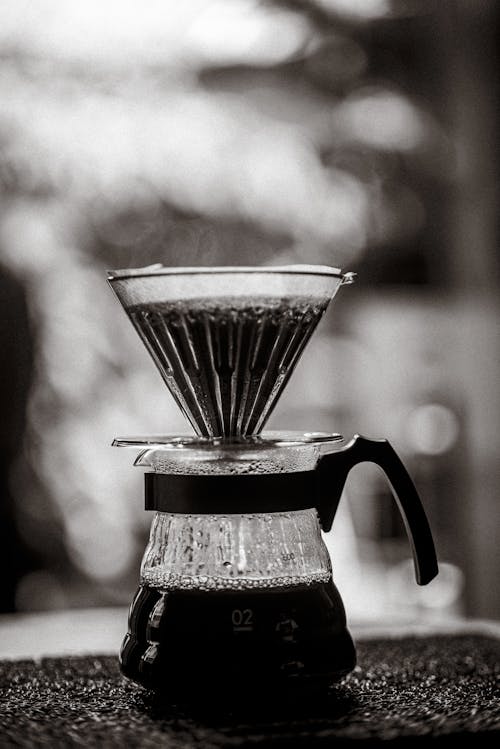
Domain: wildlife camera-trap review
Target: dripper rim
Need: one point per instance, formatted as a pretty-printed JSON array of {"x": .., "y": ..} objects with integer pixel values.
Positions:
[{"x": 161, "y": 270}]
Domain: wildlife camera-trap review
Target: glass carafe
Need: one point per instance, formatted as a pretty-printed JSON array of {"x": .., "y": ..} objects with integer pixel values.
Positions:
[{"x": 236, "y": 588}]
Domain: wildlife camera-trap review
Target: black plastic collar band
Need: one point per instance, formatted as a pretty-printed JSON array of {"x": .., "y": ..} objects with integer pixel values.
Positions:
[{"x": 230, "y": 495}]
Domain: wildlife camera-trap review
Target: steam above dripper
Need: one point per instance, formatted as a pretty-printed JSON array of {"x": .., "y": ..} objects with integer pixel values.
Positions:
[{"x": 227, "y": 339}]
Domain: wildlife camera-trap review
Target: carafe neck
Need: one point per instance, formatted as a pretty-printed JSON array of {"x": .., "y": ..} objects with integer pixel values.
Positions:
[{"x": 235, "y": 552}]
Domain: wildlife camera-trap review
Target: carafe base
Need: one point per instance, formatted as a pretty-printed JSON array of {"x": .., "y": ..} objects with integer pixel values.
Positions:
[{"x": 240, "y": 644}]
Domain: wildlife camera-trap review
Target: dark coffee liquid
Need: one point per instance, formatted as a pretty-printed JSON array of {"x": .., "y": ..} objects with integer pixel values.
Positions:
[
  {"x": 237, "y": 645},
  {"x": 225, "y": 360}
]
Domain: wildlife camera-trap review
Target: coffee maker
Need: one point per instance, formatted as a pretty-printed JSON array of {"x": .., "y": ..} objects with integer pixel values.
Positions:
[{"x": 236, "y": 592}]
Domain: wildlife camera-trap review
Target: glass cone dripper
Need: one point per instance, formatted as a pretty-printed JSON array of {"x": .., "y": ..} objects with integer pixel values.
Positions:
[{"x": 226, "y": 340}]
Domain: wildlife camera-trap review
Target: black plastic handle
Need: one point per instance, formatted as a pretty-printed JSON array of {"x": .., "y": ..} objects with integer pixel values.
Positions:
[{"x": 333, "y": 469}]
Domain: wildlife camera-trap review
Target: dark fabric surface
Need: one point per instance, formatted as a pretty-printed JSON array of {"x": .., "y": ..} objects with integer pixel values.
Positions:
[{"x": 403, "y": 692}]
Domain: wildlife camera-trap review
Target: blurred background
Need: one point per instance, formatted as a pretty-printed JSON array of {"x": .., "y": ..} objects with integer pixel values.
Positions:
[{"x": 361, "y": 134}]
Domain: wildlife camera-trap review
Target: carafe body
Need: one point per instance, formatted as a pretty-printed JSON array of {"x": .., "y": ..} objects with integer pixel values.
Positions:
[
  {"x": 236, "y": 602},
  {"x": 243, "y": 602}
]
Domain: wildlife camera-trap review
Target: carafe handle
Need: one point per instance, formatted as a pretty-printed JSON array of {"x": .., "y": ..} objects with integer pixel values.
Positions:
[{"x": 333, "y": 469}]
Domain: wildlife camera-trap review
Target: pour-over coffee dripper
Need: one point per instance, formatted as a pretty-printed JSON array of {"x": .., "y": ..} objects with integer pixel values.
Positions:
[
  {"x": 226, "y": 340},
  {"x": 236, "y": 586}
]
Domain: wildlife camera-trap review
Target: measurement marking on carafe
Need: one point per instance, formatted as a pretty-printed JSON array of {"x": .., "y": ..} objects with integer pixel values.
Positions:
[{"x": 242, "y": 620}]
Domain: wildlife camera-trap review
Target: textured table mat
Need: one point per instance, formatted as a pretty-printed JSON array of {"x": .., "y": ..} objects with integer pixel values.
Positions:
[{"x": 403, "y": 691}]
